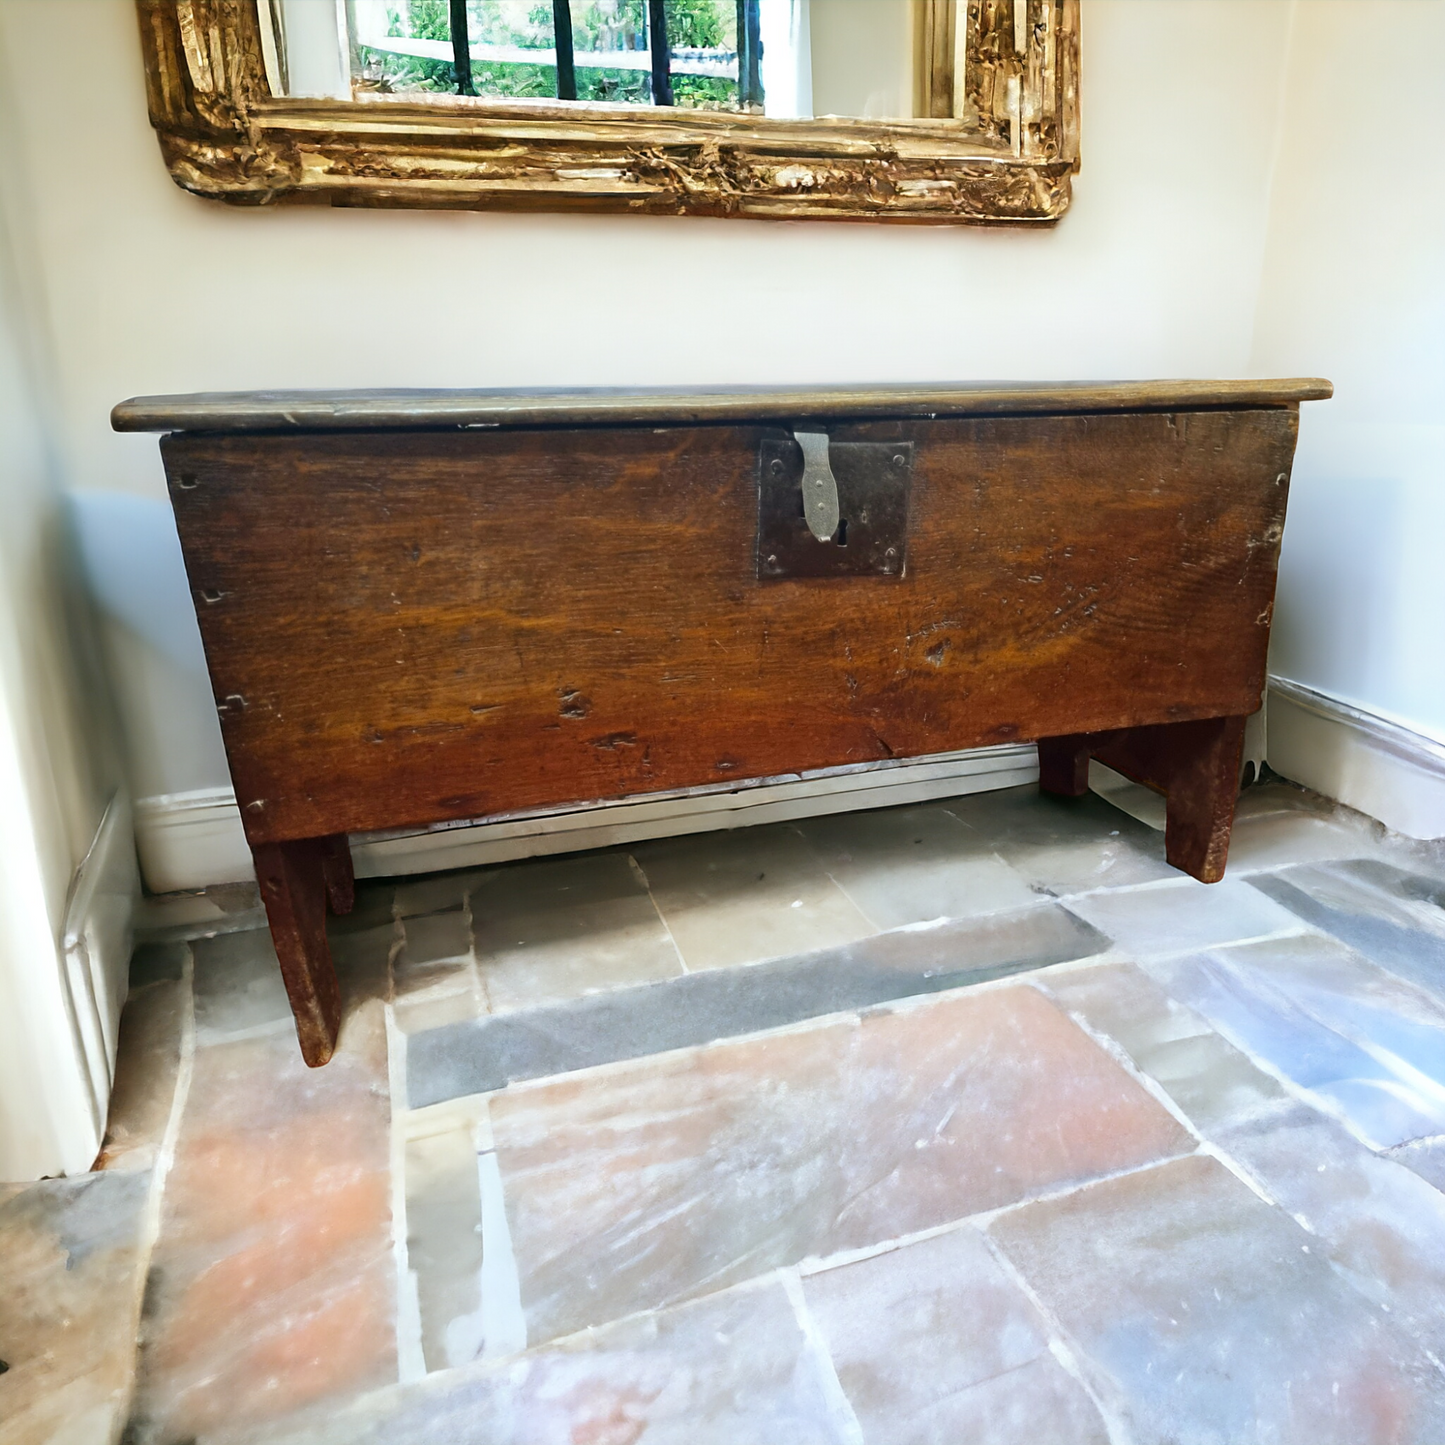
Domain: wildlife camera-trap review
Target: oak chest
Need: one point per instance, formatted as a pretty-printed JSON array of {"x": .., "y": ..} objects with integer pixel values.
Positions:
[{"x": 420, "y": 607}]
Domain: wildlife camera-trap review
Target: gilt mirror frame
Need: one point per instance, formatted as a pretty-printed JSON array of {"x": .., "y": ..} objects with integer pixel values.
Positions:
[{"x": 1006, "y": 159}]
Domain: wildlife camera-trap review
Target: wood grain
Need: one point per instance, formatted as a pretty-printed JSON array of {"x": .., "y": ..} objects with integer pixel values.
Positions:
[
  {"x": 438, "y": 409},
  {"x": 404, "y": 629}
]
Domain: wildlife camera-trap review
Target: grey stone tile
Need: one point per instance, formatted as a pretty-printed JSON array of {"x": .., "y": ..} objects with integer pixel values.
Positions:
[
  {"x": 733, "y": 1369},
  {"x": 913, "y": 865},
  {"x": 476, "y": 1057},
  {"x": 1179, "y": 917},
  {"x": 1204, "y": 1314},
  {"x": 1391, "y": 916},
  {"x": 1064, "y": 845},
  {"x": 1425, "y": 1157},
  {"x": 157, "y": 962},
  {"x": 237, "y": 983},
  {"x": 748, "y": 895},
  {"x": 1380, "y": 1224},
  {"x": 663, "y": 1179},
  {"x": 72, "y": 1263},
  {"x": 444, "y": 1236},
  {"x": 557, "y": 929},
  {"x": 934, "y": 1342},
  {"x": 146, "y": 1069},
  {"x": 1255, "y": 995}
]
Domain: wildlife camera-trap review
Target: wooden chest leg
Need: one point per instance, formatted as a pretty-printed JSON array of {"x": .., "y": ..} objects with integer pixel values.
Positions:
[
  {"x": 1064, "y": 764},
  {"x": 297, "y": 880},
  {"x": 1194, "y": 764}
]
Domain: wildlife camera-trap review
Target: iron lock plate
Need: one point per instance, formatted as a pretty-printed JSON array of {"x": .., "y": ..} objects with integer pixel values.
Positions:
[{"x": 872, "y": 483}]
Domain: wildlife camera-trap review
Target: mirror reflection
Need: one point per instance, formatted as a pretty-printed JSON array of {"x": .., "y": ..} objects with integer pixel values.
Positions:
[{"x": 778, "y": 58}]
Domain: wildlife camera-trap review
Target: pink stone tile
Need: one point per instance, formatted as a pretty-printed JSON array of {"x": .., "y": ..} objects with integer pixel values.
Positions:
[
  {"x": 71, "y": 1266},
  {"x": 732, "y": 1369},
  {"x": 272, "y": 1283},
  {"x": 934, "y": 1342},
  {"x": 1201, "y": 1313},
  {"x": 658, "y": 1180},
  {"x": 147, "y": 1062}
]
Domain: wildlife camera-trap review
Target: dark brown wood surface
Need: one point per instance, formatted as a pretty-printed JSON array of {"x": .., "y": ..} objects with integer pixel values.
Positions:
[
  {"x": 435, "y": 409},
  {"x": 404, "y": 629}
]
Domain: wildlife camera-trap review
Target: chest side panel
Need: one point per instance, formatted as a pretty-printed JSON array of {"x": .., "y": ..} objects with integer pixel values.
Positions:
[{"x": 407, "y": 627}]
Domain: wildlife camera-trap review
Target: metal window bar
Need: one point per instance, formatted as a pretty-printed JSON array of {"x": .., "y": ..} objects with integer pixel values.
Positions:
[
  {"x": 461, "y": 47},
  {"x": 750, "y": 55},
  {"x": 566, "y": 58},
  {"x": 661, "y": 52}
]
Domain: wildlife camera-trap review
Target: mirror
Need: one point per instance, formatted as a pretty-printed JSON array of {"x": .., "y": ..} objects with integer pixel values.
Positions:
[
  {"x": 919, "y": 110},
  {"x": 784, "y": 59}
]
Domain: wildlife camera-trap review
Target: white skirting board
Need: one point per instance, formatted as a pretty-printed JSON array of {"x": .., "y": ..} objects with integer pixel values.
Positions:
[
  {"x": 96, "y": 948},
  {"x": 1366, "y": 761},
  {"x": 192, "y": 840}
]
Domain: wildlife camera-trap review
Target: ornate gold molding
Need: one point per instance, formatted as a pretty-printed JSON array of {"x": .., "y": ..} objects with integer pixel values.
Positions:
[{"x": 1008, "y": 160}]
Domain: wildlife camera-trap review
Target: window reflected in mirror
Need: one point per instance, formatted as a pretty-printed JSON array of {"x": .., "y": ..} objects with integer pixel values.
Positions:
[{"x": 789, "y": 59}]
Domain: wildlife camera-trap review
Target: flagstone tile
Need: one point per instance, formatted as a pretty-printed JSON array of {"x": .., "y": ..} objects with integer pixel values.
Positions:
[
  {"x": 913, "y": 865},
  {"x": 1260, "y": 799},
  {"x": 1204, "y": 1314},
  {"x": 934, "y": 1342},
  {"x": 1357, "y": 999},
  {"x": 434, "y": 948},
  {"x": 434, "y": 892},
  {"x": 272, "y": 1284},
  {"x": 1395, "y": 918},
  {"x": 1180, "y": 917},
  {"x": 655, "y": 1181},
  {"x": 745, "y": 896},
  {"x": 72, "y": 1262},
  {"x": 1248, "y": 998},
  {"x": 1381, "y": 1225},
  {"x": 556, "y": 929},
  {"x": 148, "y": 1059},
  {"x": 1274, "y": 840},
  {"x": 444, "y": 1235},
  {"x": 237, "y": 984},
  {"x": 157, "y": 963},
  {"x": 423, "y": 1011},
  {"x": 1425, "y": 1157},
  {"x": 1210, "y": 1081},
  {"x": 455, "y": 1058},
  {"x": 733, "y": 1369},
  {"x": 1064, "y": 845}
]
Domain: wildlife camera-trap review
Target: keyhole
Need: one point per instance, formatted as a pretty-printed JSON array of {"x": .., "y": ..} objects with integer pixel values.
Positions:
[{"x": 843, "y": 532}]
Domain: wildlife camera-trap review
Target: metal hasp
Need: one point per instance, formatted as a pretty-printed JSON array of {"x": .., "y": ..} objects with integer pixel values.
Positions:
[
  {"x": 832, "y": 509},
  {"x": 820, "y": 487}
]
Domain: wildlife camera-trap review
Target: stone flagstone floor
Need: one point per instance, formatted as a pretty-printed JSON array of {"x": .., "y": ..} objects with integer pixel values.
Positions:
[{"x": 964, "y": 1122}]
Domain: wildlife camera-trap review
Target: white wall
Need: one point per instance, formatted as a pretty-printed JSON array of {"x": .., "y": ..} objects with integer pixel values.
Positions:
[
  {"x": 1153, "y": 273},
  {"x": 56, "y": 769},
  {"x": 1354, "y": 289}
]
